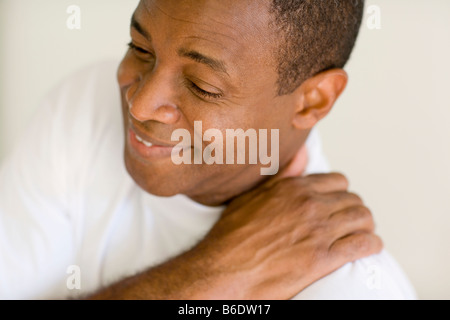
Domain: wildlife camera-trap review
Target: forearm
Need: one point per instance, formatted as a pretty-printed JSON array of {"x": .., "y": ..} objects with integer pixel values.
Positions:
[
  {"x": 190, "y": 276},
  {"x": 267, "y": 245}
]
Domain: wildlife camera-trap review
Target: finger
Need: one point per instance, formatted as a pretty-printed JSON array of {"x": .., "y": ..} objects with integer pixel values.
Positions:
[
  {"x": 338, "y": 201},
  {"x": 326, "y": 183},
  {"x": 353, "y": 247},
  {"x": 317, "y": 183},
  {"x": 351, "y": 220}
]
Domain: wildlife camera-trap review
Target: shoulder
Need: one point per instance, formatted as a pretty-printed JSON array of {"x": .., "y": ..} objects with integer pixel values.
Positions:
[
  {"x": 377, "y": 277},
  {"x": 93, "y": 84},
  {"x": 86, "y": 112}
]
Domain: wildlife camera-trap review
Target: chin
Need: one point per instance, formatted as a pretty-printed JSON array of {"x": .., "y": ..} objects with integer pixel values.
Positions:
[
  {"x": 152, "y": 181},
  {"x": 157, "y": 190}
]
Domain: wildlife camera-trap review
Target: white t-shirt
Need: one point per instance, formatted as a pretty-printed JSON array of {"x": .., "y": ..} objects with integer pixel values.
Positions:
[{"x": 71, "y": 216}]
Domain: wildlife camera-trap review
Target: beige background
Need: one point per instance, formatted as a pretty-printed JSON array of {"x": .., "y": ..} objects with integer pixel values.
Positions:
[{"x": 389, "y": 133}]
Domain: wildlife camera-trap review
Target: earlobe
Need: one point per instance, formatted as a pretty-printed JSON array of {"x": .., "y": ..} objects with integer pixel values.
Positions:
[{"x": 316, "y": 97}]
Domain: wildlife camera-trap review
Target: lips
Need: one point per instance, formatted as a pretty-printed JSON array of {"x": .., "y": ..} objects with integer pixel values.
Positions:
[
  {"x": 146, "y": 143},
  {"x": 148, "y": 151},
  {"x": 149, "y": 141}
]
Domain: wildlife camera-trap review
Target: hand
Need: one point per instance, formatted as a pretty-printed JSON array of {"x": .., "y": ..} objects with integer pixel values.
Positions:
[
  {"x": 276, "y": 240},
  {"x": 270, "y": 243}
]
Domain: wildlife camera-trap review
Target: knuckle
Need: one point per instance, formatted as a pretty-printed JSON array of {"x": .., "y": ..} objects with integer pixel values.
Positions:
[
  {"x": 341, "y": 178},
  {"x": 309, "y": 204},
  {"x": 378, "y": 244},
  {"x": 283, "y": 185},
  {"x": 319, "y": 254},
  {"x": 365, "y": 211},
  {"x": 360, "y": 213},
  {"x": 361, "y": 243},
  {"x": 355, "y": 197},
  {"x": 365, "y": 216},
  {"x": 319, "y": 230}
]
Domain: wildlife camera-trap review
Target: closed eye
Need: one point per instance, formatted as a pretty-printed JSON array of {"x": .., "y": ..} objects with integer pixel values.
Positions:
[
  {"x": 203, "y": 93},
  {"x": 138, "y": 50}
]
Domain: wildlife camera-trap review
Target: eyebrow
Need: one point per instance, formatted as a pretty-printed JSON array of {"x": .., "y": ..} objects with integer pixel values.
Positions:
[
  {"x": 136, "y": 25},
  {"x": 214, "y": 64},
  {"x": 196, "y": 56}
]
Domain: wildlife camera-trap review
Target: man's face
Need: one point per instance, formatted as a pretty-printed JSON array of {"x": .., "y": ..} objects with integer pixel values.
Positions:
[{"x": 200, "y": 60}]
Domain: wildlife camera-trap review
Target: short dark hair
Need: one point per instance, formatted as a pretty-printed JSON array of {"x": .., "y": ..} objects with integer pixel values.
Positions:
[{"x": 316, "y": 35}]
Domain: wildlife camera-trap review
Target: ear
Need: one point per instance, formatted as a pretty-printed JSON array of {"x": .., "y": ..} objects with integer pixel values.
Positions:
[{"x": 316, "y": 96}]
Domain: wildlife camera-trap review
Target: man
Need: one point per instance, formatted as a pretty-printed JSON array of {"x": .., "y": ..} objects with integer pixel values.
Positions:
[{"x": 160, "y": 230}]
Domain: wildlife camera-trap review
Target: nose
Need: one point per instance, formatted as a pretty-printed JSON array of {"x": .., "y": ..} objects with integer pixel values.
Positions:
[{"x": 152, "y": 97}]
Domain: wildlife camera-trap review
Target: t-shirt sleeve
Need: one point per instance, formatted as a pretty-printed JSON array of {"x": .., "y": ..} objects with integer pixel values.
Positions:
[
  {"x": 377, "y": 277},
  {"x": 36, "y": 241}
]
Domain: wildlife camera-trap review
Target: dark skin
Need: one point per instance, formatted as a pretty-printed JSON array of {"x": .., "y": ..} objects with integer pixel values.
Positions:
[
  {"x": 249, "y": 94},
  {"x": 278, "y": 234}
]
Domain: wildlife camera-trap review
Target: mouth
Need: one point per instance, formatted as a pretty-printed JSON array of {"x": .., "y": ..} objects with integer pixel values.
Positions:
[
  {"x": 149, "y": 148},
  {"x": 146, "y": 143},
  {"x": 147, "y": 140}
]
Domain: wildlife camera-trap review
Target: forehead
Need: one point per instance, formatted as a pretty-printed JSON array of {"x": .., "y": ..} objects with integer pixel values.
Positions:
[{"x": 235, "y": 30}]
